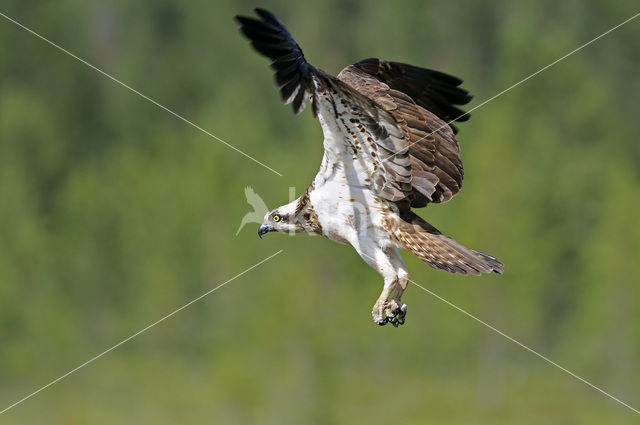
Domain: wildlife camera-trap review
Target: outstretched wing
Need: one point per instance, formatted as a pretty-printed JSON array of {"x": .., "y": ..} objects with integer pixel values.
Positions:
[
  {"x": 422, "y": 102},
  {"x": 358, "y": 133},
  {"x": 389, "y": 118}
]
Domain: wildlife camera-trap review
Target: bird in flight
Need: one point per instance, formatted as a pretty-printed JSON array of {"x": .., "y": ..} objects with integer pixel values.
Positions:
[{"x": 388, "y": 148}]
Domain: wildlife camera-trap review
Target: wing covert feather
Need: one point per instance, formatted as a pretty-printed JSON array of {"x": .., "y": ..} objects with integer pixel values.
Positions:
[{"x": 435, "y": 152}]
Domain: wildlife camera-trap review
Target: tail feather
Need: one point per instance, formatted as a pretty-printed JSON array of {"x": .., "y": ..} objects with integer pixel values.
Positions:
[{"x": 440, "y": 251}]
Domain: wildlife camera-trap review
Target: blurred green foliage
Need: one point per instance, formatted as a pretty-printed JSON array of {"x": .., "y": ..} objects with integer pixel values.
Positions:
[{"x": 114, "y": 213}]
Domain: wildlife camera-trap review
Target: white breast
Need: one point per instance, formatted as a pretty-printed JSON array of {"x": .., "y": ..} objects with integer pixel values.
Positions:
[
  {"x": 347, "y": 209},
  {"x": 344, "y": 197}
]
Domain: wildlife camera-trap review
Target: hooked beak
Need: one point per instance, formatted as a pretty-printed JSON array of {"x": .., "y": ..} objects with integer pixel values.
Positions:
[{"x": 264, "y": 228}]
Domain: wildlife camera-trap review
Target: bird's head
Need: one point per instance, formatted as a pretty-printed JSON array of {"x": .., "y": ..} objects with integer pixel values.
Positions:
[{"x": 283, "y": 219}]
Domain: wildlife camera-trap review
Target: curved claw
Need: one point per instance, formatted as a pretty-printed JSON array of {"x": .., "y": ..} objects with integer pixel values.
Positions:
[{"x": 392, "y": 314}]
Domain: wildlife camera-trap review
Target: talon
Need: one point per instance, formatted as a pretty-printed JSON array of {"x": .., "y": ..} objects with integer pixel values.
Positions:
[{"x": 390, "y": 312}]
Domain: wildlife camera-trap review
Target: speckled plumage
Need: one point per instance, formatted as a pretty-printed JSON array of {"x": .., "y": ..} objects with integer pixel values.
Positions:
[{"x": 387, "y": 149}]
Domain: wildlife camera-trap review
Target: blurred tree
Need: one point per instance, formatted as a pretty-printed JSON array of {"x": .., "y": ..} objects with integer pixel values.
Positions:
[{"x": 114, "y": 213}]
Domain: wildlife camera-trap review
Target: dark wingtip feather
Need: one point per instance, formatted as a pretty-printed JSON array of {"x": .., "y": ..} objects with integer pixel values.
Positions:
[
  {"x": 266, "y": 15},
  {"x": 271, "y": 38}
]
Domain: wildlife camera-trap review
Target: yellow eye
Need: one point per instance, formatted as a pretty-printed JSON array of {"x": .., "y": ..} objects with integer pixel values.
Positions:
[{"x": 276, "y": 218}]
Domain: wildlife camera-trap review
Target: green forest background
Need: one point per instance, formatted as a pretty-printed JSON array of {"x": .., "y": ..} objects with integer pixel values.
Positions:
[{"x": 114, "y": 213}]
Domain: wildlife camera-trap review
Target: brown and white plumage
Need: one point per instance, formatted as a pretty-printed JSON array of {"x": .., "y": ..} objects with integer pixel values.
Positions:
[{"x": 388, "y": 148}]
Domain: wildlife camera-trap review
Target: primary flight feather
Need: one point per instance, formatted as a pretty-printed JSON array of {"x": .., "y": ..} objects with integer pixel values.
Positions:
[{"x": 387, "y": 149}]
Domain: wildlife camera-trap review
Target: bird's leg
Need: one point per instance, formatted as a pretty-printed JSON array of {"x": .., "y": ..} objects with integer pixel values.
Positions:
[
  {"x": 389, "y": 264},
  {"x": 381, "y": 306},
  {"x": 396, "y": 311}
]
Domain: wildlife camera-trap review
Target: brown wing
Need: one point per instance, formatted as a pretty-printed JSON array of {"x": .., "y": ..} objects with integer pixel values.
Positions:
[
  {"x": 437, "y": 170},
  {"x": 435, "y": 91},
  {"x": 349, "y": 118}
]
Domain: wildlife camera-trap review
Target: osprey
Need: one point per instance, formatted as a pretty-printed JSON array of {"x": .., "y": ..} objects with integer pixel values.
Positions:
[{"x": 388, "y": 148}]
